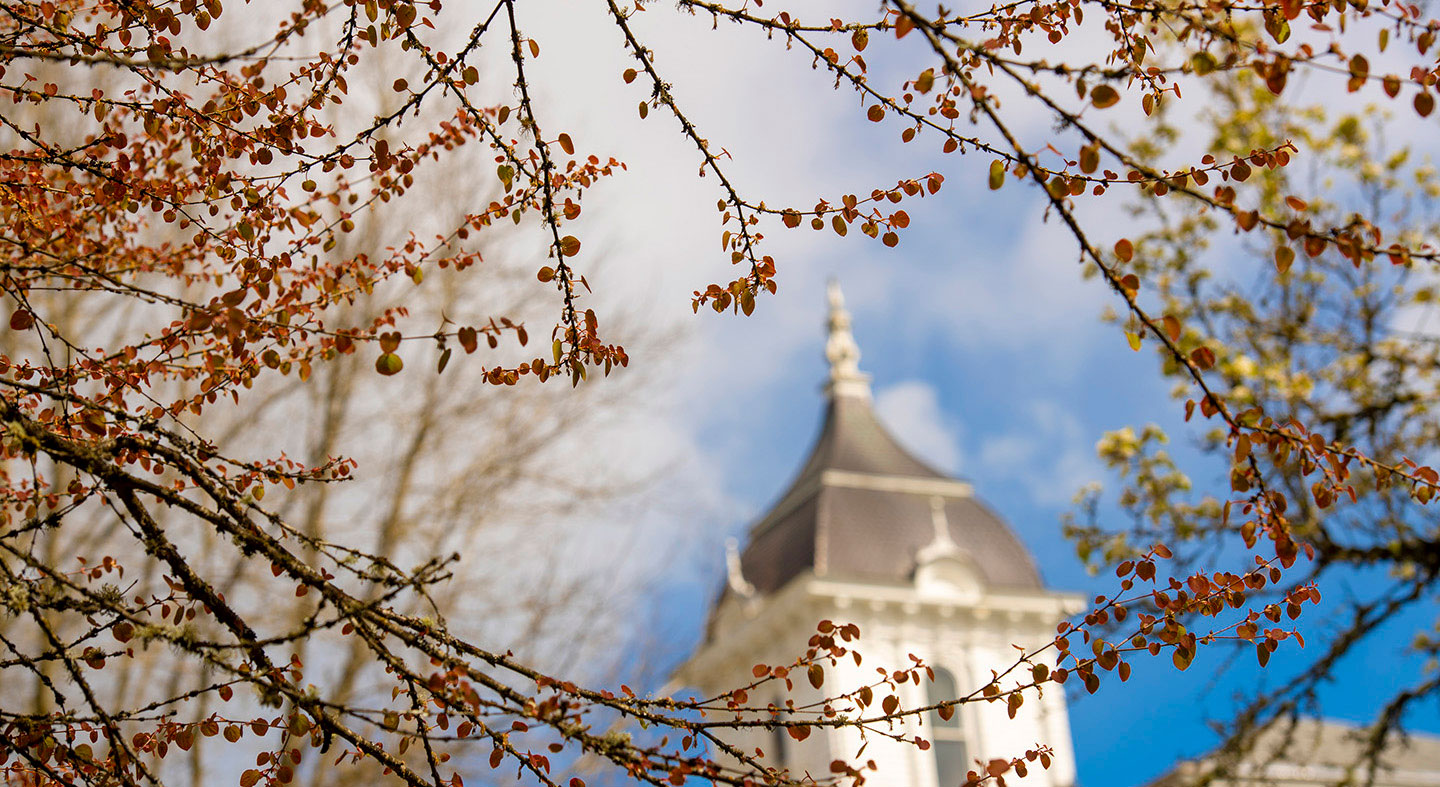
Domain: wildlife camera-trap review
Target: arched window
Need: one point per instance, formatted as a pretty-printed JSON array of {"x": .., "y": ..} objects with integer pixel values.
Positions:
[
  {"x": 776, "y": 750},
  {"x": 947, "y": 737}
]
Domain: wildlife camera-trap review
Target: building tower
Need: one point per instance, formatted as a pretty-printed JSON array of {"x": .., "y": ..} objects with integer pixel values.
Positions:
[{"x": 867, "y": 533}]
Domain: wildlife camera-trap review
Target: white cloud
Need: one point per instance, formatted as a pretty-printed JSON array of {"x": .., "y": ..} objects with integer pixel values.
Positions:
[
  {"x": 911, "y": 409},
  {"x": 1007, "y": 451},
  {"x": 1020, "y": 291},
  {"x": 1047, "y": 450}
]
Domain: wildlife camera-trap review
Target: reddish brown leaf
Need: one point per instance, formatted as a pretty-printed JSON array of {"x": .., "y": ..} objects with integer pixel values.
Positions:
[
  {"x": 1172, "y": 328},
  {"x": 1103, "y": 96},
  {"x": 1424, "y": 104}
]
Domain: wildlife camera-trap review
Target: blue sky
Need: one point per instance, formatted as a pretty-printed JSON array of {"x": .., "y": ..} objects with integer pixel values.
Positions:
[{"x": 985, "y": 344}]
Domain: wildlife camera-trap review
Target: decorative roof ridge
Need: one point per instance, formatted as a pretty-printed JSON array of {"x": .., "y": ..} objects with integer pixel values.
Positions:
[
  {"x": 922, "y": 486},
  {"x": 941, "y": 544}
]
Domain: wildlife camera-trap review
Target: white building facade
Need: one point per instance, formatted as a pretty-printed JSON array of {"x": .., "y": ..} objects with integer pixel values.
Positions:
[
  {"x": 868, "y": 534},
  {"x": 1312, "y": 752}
]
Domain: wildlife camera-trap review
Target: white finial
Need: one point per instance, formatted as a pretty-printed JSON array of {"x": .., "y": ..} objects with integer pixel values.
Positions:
[{"x": 846, "y": 379}]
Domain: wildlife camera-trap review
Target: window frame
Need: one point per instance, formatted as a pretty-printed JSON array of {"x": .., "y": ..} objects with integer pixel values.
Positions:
[
  {"x": 944, "y": 733},
  {"x": 778, "y": 737}
]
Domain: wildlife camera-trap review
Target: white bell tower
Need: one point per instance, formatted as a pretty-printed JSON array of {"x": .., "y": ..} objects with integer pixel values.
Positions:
[{"x": 868, "y": 534}]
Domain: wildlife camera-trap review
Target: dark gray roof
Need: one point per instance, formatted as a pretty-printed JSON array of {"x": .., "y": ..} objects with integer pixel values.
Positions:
[
  {"x": 852, "y": 439},
  {"x": 861, "y": 508}
]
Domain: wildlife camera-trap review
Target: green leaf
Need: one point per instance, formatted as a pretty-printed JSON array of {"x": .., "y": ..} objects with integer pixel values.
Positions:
[
  {"x": 925, "y": 81},
  {"x": 389, "y": 364}
]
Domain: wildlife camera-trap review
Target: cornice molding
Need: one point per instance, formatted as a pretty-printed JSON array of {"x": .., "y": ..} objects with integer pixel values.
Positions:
[{"x": 937, "y": 487}]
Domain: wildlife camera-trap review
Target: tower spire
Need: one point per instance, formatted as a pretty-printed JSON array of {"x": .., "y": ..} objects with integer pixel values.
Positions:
[{"x": 842, "y": 352}]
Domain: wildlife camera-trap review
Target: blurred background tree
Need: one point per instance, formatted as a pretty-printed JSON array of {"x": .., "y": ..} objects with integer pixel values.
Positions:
[
  {"x": 1350, "y": 349},
  {"x": 502, "y": 484}
]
